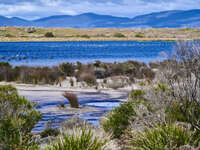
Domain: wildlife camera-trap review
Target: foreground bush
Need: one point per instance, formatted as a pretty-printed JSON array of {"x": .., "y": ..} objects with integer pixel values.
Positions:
[
  {"x": 161, "y": 137},
  {"x": 79, "y": 139},
  {"x": 118, "y": 119},
  {"x": 182, "y": 76},
  {"x": 72, "y": 98},
  {"x": 17, "y": 118}
]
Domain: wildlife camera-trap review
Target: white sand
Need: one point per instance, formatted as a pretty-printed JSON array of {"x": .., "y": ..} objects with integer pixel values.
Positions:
[{"x": 48, "y": 93}]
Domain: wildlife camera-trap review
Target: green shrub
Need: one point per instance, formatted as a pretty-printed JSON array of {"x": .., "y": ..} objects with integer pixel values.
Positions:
[
  {"x": 67, "y": 69},
  {"x": 9, "y": 35},
  {"x": 162, "y": 87},
  {"x": 136, "y": 94},
  {"x": 49, "y": 132},
  {"x": 85, "y": 36},
  {"x": 72, "y": 98},
  {"x": 119, "y": 35},
  {"x": 17, "y": 118},
  {"x": 191, "y": 114},
  {"x": 49, "y": 34},
  {"x": 139, "y": 35},
  {"x": 79, "y": 139},
  {"x": 118, "y": 119},
  {"x": 161, "y": 137}
]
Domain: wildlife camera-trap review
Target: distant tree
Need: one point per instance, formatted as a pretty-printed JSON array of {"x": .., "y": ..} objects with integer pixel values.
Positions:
[
  {"x": 49, "y": 34},
  {"x": 119, "y": 35}
]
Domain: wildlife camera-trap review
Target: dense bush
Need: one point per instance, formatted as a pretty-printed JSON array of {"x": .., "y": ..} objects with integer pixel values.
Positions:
[
  {"x": 72, "y": 98},
  {"x": 83, "y": 72},
  {"x": 119, "y": 35},
  {"x": 139, "y": 35},
  {"x": 67, "y": 69},
  {"x": 85, "y": 36},
  {"x": 49, "y": 34},
  {"x": 118, "y": 119},
  {"x": 79, "y": 139},
  {"x": 89, "y": 78},
  {"x": 136, "y": 94},
  {"x": 17, "y": 118},
  {"x": 161, "y": 137},
  {"x": 181, "y": 74}
]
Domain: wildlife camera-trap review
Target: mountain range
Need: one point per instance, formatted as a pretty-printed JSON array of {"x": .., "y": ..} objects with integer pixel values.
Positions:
[{"x": 165, "y": 19}]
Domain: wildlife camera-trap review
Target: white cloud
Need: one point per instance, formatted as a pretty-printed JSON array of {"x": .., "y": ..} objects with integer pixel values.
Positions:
[{"x": 128, "y": 8}]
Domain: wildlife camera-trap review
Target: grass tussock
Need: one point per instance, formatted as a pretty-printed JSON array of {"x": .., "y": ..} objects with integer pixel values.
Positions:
[
  {"x": 79, "y": 139},
  {"x": 72, "y": 98},
  {"x": 161, "y": 137}
]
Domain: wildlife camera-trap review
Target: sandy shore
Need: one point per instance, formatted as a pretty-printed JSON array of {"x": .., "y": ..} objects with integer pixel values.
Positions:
[{"x": 44, "y": 94}]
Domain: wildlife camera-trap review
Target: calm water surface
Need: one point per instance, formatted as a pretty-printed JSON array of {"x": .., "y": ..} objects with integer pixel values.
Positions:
[{"x": 53, "y": 53}]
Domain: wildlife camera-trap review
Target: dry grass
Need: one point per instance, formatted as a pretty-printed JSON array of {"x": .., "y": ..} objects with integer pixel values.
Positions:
[{"x": 96, "y": 34}]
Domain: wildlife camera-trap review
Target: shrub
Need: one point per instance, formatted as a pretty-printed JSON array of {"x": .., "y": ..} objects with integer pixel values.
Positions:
[
  {"x": 174, "y": 112},
  {"x": 182, "y": 77},
  {"x": 9, "y": 35},
  {"x": 85, "y": 36},
  {"x": 49, "y": 34},
  {"x": 136, "y": 94},
  {"x": 139, "y": 35},
  {"x": 119, "y": 35},
  {"x": 49, "y": 132},
  {"x": 169, "y": 136},
  {"x": 148, "y": 73},
  {"x": 72, "y": 98},
  {"x": 17, "y": 118},
  {"x": 89, "y": 78},
  {"x": 67, "y": 69},
  {"x": 118, "y": 119},
  {"x": 79, "y": 139}
]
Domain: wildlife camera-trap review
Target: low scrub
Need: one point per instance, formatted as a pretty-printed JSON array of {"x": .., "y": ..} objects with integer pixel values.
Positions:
[
  {"x": 72, "y": 98},
  {"x": 161, "y": 137},
  {"x": 119, "y": 35},
  {"x": 118, "y": 119},
  {"x": 88, "y": 78},
  {"x": 18, "y": 117},
  {"x": 79, "y": 139},
  {"x": 136, "y": 94}
]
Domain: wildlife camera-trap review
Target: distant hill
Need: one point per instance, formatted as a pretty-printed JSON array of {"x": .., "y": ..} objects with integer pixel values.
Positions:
[{"x": 165, "y": 19}]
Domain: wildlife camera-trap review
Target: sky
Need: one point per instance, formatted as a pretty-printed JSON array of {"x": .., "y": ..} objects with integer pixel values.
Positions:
[{"x": 34, "y": 9}]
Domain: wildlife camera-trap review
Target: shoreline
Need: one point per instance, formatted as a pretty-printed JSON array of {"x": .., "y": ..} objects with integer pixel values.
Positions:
[{"x": 90, "y": 39}]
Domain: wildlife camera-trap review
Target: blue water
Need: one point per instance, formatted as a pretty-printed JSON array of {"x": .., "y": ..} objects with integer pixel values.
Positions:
[
  {"x": 53, "y": 53},
  {"x": 91, "y": 117}
]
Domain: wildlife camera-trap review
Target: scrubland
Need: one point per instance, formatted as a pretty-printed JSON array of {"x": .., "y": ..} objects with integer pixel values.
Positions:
[{"x": 161, "y": 113}]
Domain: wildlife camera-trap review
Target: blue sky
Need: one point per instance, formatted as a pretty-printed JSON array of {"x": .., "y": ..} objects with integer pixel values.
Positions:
[{"x": 32, "y": 9}]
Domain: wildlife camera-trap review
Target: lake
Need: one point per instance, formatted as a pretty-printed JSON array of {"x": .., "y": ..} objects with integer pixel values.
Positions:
[{"x": 54, "y": 53}]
